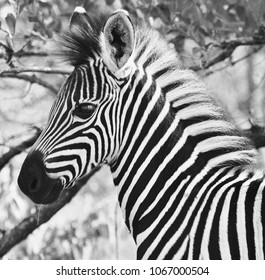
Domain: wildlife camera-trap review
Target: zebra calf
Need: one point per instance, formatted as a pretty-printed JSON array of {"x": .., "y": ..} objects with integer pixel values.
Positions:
[{"x": 185, "y": 176}]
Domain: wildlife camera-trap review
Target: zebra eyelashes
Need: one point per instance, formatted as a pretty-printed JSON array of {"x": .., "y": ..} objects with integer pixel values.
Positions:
[{"x": 84, "y": 110}]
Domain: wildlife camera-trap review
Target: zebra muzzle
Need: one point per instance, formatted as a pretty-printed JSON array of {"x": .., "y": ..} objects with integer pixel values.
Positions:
[{"x": 35, "y": 183}]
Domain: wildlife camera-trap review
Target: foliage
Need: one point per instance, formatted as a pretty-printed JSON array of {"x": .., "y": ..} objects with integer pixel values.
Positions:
[{"x": 207, "y": 35}]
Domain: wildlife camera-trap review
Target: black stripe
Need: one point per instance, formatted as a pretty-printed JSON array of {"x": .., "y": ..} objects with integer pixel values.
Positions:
[
  {"x": 232, "y": 227},
  {"x": 214, "y": 245},
  {"x": 249, "y": 217},
  {"x": 263, "y": 218},
  {"x": 150, "y": 60},
  {"x": 161, "y": 72},
  {"x": 141, "y": 52},
  {"x": 172, "y": 86}
]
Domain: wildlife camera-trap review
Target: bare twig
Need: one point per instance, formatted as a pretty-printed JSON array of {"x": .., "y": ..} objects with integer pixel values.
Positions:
[
  {"x": 30, "y": 223},
  {"x": 32, "y": 79},
  {"x": 243, "y": 41},
  {"x": 20, "y": 54},
  {"x": 5, "y": 158},
  {"x": 46, "y": 70}
]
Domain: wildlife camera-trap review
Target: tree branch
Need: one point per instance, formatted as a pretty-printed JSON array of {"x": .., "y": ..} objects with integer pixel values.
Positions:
[
  {"x": 209, "y": 71},
  {"x": 243, "y": 41},
  {"x": 225, "y": 49},
  {"x": 21, "y": 53},
  {"x": 32, "y": 79},
  {"x": 46, "y": 70},
  {"x": 257, "y": 135},
  {"x": 29, "y": 224},
  {"x": 5, "y": 158}
]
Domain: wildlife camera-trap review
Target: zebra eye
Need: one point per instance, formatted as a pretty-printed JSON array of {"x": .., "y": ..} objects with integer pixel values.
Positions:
[{"x": 84, "y": 110}]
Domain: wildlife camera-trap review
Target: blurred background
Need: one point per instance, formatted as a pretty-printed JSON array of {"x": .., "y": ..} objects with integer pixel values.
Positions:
[{"x": 223, "y": 41}]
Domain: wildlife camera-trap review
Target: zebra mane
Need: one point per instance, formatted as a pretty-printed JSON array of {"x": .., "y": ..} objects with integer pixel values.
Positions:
[
  {"x": 78, "y": 44},
  {"x": 191, "y": 101}
]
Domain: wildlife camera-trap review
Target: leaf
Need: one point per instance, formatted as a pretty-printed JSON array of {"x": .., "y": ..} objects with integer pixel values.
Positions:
[
  {"x": 33, "y": 18},
  {"x": 218, "y": 23},
  {"x": 11, "y": 23},
  {"x": 45, "y": 4},
  {"x": 109, "y": 2},
  {"x": 161, "y": 11},
  {"x": 9, "y": 42},
  {"x": 241, "y": 12},
  {"x": 21, "y": 7},
  {"x": 13, "y": 4},
  {"x": 210, "y": 16}
]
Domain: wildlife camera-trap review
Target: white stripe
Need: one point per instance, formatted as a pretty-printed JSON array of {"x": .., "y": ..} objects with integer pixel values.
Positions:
[
  {"x": 182, "y": 249},
  {"x": 195, "y": 110},
  {"x": 241, "y": 223},
  {"x": 223, "y": 227},
  {"x": 57, "y": 175},
  {"x": 209, "y": 126},
  {"x": 190, "y": 86}
]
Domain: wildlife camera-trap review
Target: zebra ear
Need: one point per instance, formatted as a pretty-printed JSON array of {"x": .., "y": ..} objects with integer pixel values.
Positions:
[
  {"x": 79, "y": 19},
  {"x": 117, "y": 40}
]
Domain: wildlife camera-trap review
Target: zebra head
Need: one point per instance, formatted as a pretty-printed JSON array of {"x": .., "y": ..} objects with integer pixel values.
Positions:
[{"x": 81, "y": 132}]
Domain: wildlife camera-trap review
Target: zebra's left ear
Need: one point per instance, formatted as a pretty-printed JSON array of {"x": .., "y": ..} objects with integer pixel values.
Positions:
[
  {"x": 117, "y": 40},
  {"x": 79, "y": 19}
]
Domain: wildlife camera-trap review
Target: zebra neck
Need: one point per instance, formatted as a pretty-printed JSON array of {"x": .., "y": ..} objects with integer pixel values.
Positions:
[
  {"x": 146, "y": 161},
  {"x": 163, "y": 144}
]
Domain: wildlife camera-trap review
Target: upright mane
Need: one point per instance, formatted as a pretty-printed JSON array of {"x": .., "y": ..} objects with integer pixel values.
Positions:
[
  {"x": 78, "y": 44},
  {"x": 187, "y": 94},
  {"x": 191, "y": 102}
]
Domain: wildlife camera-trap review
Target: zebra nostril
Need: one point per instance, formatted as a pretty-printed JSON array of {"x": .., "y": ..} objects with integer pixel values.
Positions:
[{"x": 34, "y": 186}]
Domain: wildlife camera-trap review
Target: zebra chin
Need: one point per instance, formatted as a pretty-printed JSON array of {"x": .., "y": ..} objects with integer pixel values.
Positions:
[{"x": 35, "y": 183}]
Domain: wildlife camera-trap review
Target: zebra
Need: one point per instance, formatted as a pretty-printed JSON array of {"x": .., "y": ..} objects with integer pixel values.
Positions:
[{"x": 189, "y": 183}]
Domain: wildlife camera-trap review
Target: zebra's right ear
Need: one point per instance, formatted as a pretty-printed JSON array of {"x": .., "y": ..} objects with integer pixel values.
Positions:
[
  {"x": 117, "y": 41},
  {"x": 79, "y": 19}
]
